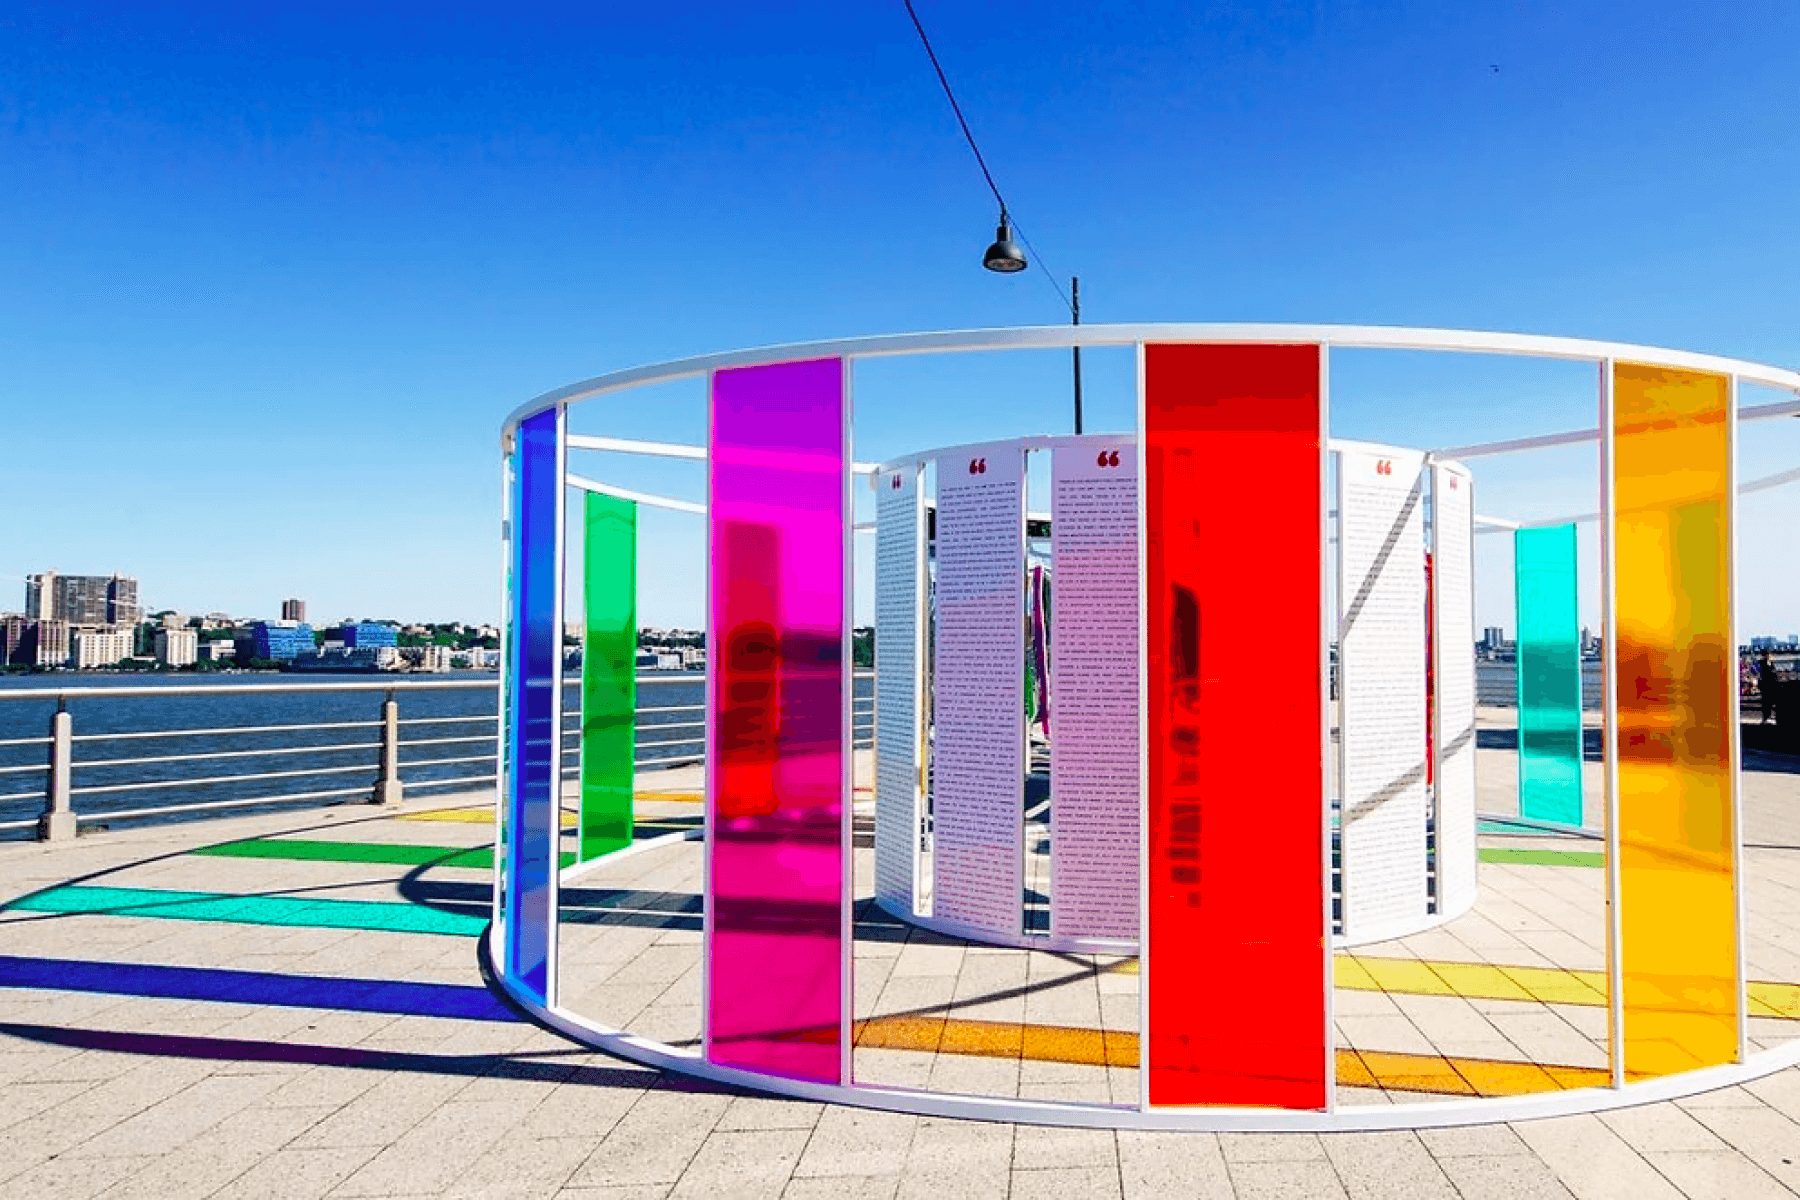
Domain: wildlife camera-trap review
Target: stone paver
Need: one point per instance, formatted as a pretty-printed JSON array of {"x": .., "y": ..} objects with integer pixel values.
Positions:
[{"x": 124, "y": 1095}]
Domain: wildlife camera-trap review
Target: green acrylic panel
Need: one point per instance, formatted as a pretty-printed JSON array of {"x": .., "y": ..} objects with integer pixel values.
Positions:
[
  {"x": 608, "y": 675},
  {"x": 1549, "y": 675}
]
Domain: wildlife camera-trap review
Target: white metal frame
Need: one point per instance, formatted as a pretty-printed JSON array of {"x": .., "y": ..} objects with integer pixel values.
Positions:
[
  {"x": 846, "y": 747},
  {"x": 1735, "y": 721},
  {"x": 1143, "y": 696},
  {"x": 1457, "y": 1112},
  {"x": 1369, "y": 337},
  {"x": 553, "y": 938},
  {"x": 1609, "y": 706}
]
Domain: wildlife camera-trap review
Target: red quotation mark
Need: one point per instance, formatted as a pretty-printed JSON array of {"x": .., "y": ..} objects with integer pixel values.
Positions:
[
  {"x": 978, "y": 466},
  {"x": 1385, "y": 467},
  {"x": 1107, "y": 458}
]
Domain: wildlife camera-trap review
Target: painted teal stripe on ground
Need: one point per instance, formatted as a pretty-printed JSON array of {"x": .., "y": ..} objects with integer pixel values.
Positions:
[
  {"x": 1525, "y": 856},
  {"x": 380, "y": 915},
  {"x": 391, "y": 854}
]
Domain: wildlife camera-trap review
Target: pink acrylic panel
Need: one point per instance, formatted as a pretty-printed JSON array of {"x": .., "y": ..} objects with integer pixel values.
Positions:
[{"x": 776, "y": 936}]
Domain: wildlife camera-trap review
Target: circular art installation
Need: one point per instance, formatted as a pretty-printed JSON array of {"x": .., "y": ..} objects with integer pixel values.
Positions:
[{"x": 1076, "y": 741}]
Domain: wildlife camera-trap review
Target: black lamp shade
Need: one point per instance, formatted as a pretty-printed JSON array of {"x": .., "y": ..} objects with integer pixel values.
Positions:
[{"x": 1004, "y": 255}]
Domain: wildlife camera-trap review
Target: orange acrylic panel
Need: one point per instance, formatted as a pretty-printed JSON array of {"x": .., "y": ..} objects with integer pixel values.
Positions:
[
  {"x": 1234, "y": 944},
  {"x": 1677, "y": 943}
]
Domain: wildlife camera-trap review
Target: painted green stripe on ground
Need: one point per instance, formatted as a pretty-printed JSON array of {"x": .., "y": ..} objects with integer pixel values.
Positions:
[
  {"x": 382, "y": 915},
  {"x": 392, "y": 854},
  {"x": 1523, "y": 856}
]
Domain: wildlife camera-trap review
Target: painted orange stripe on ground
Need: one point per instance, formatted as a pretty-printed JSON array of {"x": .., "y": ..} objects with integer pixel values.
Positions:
[{"x": 1435, "y": 1074}]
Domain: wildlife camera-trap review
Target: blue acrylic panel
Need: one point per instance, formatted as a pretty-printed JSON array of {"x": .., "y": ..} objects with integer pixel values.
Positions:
[{"x": 532, "y": 682}]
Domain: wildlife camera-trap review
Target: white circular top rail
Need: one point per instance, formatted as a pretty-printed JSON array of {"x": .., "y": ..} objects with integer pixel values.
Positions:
[{"x": 1041, "y": 337}]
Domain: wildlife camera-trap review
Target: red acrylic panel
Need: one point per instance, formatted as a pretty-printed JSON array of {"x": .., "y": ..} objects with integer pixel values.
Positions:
[
  {"x": 1235, "y": 944},
  {"x": 776, "y": 943}
]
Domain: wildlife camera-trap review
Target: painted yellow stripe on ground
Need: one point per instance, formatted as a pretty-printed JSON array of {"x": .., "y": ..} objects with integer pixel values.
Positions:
[
  {"x": 473, "y": 816},
  {"x": 1485, "y": 981},
  {"x": 1475, "y": 981},
  {"x": 1775, "y": 1000},
  {"x": 1430, "y": 1073},
  {"x": 484, "y": 814}
]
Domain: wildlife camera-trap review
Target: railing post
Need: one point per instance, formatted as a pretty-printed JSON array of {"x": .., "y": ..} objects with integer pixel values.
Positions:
[
  {"x": 389, "y": 791},
  {"x": 57, "y": 823}
]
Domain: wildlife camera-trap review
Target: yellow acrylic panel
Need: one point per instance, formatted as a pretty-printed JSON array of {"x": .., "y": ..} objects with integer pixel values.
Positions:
[{"x": 1676, "y": 749}]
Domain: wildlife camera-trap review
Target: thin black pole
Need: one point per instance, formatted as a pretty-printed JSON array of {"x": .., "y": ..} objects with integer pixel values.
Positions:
[{"x": 1075, "y": 312}]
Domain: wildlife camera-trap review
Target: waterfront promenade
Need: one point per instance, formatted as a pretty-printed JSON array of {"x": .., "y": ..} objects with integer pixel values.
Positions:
[{"x": 291, "y": 1006}]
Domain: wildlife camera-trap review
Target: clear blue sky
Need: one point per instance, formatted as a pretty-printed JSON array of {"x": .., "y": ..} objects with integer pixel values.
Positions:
[{"x": 269, "y": 282}]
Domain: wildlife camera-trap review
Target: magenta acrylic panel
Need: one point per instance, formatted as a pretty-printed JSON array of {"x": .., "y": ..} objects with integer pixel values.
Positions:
[{"x": 776, "y": 814}]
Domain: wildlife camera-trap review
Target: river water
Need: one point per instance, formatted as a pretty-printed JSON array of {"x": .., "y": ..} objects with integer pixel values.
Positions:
[
  {"x": 467, "y": 713},
  {"x": 1497, "y": 684}
]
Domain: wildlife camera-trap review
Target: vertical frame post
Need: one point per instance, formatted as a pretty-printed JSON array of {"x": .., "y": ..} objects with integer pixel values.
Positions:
[
  {"x": 1734, "y": 744},
  {"x": 1609, "y": 702},
  {"x": 1327, "y": 620},
  {"x": 1143, "y": 707}
]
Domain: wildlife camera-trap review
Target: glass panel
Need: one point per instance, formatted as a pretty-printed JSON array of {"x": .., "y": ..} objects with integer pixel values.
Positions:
[
  {"x": 1549, "y": 674},
  {"x": 534, "y": 646},
  {"x": 1235, "y": 953},
  {"x": 776, "y": 945},
  {"x": 1671, "y": 514},
  {"x": 608, "y": 675}
]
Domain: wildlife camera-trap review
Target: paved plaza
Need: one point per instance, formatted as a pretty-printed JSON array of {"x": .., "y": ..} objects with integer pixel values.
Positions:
[{"x": 291, "y": 1006}]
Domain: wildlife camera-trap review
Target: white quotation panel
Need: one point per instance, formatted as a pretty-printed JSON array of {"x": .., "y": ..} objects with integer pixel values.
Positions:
[
  {"x": 1094, "y": 691},
  {"x": 978, "y": 690},
  {"x": 899, "y": 595},
  {"x": 1453, "y": 672},
  {"x": 1381, "y": 659}
]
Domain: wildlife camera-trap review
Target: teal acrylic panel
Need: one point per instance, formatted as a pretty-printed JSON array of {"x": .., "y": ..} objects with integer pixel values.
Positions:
[{"x": 1549, "y": 674}]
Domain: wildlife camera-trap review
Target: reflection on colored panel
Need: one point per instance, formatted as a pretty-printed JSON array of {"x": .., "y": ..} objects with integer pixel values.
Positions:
[
  {"x": 1671, "y": 533},
  {"x": 775, "y": 814},
  {"x": 1549, "y": 674},
  {"x": 1235, "y": 944},
  {"x": 534, "y": 655},
  {"x": 608, "y": 675}
]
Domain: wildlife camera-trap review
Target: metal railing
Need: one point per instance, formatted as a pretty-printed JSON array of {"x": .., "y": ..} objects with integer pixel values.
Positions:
[{"x": 119, "y": 772}]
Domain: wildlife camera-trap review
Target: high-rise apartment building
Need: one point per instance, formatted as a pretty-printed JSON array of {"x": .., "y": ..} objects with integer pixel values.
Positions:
[
  {"x": 122, "y": 607},
  {"x": 13, "y": 631},
  {"x": 177, "y": 647},
  {"x": 91, "y": 648},
  {"x": 293, "y": 610},
  {"x": 82, "y": 599},
  {"x": 46, "y": 644},
  {"x": 38, "y": 600}
]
